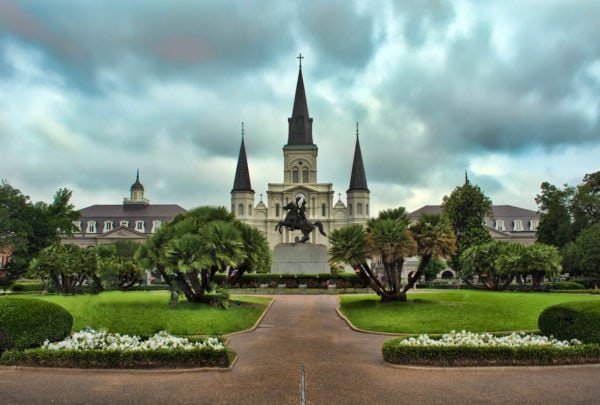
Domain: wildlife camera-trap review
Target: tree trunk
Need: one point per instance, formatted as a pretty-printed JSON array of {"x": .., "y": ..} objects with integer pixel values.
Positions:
[
  {"x": 425, "y": 259},
  {"x": 390, "y": 296},
  {"x": 185, "y": 288}
]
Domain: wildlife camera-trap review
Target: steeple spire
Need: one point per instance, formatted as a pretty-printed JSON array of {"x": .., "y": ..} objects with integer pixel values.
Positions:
[
  {"x": 466, "y": 177},
  {"x": 358, "y": 178},
  {"x": 300, "y": 123},
  {"x": 242, "y": 174}
]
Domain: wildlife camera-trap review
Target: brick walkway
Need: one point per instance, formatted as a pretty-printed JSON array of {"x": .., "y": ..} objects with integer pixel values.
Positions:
[{"x": 341, "y": 367}]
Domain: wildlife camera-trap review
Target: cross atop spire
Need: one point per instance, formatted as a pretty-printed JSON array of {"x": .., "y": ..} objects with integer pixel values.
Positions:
[
  {"x": 300, "y": 57},
  {"x": 357, "y": 129},
  {"x": 242, "y": 129}
]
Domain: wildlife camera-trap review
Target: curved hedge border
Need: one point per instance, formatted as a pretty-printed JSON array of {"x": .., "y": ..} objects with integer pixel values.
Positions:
[
  {"x": 29, "y": 322},
  {"x": 572, "y": 320},
  {"x": 464, "y": 356},
  {"x": 163, "y": 358}
]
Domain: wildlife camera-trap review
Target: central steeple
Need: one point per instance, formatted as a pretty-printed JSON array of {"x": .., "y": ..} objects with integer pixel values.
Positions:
[{"x": 300, "y": 123}]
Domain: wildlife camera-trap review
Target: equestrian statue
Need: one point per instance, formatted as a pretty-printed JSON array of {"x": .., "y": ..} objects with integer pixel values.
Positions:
[{"x": 296, "y": 219}]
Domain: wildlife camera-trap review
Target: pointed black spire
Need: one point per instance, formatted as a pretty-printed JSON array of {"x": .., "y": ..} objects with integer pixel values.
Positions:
[
  {"x": 358, "y": 178},
  {"x": 466, "y": 177},
  {"x": 300, "y": 124},
  {"x": 242, "y": 174}
]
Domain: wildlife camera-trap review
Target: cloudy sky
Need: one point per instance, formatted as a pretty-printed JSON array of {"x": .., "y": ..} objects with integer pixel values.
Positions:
[{"x": 92, "y": 90}]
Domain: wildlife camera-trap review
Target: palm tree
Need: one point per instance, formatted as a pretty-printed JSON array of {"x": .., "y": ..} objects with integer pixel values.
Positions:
[
  {"x": 256, "y": 250},
  {"x": 392, "y": 241},
  {"x": 435, "y": 238}
]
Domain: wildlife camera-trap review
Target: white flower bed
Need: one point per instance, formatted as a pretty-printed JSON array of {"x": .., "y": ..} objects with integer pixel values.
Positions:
[
  {"x": 464, "y": 338},
  {"x": 89, "y": 339}
]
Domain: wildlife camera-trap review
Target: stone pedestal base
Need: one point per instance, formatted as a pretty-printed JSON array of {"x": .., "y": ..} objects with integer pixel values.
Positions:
[{"x": 300, "y": 258}]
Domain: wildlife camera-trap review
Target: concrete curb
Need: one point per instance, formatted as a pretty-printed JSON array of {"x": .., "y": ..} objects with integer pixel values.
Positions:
[
  {"x": 255, "y": 326},
  {"x": 490, "y": 368}
]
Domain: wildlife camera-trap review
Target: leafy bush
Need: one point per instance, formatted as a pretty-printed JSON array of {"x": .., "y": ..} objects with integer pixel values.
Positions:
[
  {"x": 171, "y": 358},
  {"x": 566, "y": 285},
  {"x": 341, "y": 280},
  {"x": 488, "y": 355},
  {"x": 572, "y": 320},
  {"x": 27, "y": 323}
]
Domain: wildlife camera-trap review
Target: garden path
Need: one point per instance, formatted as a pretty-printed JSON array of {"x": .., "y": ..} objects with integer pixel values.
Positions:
[{"x": 341, "y": 366}]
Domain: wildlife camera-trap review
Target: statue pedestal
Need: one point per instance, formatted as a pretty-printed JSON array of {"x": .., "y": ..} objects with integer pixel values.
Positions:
[{"x": 300, "y": 258}]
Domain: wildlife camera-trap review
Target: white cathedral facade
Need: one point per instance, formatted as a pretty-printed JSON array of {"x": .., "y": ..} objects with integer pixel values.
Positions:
[{"x": 300, "y": 179}]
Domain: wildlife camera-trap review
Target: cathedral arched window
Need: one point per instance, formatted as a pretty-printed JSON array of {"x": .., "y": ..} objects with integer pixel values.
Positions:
[
  {"x": 295, "y": 175},
  {"x": 305, "y": 175},
  {"x": 299, "y": 125},
  {"x": 359, "y": 209},
  {"x": 277, "y": 210},
  {"x": 323, "y": 210},
  {"x": 241, "y": 209},
  {"x": 349, "y": 209},
  {"x": 249, "y": 209}
]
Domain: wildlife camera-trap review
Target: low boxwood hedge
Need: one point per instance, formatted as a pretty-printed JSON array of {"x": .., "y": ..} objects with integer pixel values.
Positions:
[
  {"x": 29, "y": 322},
  {"x": 163, "y": 358},
  {"x": 341, "y": 280},
  {"x": 566, "y": 285},
  {"x": 572, "y": 320},
  {"x": 488, "y": 355},
  {"x": 27, "y": 286}
]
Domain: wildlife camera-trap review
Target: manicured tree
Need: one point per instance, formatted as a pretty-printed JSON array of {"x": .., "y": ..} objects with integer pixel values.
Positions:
[
  {"x": 435, "y": 239},
  {"x": 588, "y": 253},
  {"x": 257, "y": 253},
  {"x": 117, "y": 266},
  {"x": 555, "y": 226},
  {"x": 539, "y": 261},
  {"x": 585, "y": 205},
  {"x": 488, "y": 262},
  {"x": 466, "y": 208},
  {"x": 149, "y": 255},
  {"x": 66, "y": 266}
]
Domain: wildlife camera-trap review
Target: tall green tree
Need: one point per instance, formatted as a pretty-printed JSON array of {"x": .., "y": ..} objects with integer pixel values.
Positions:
[
  {"x": 492, "y": 263},
  {"x": 466, "y": 208},
  {"x": 539, "y": 261},
  {"x": 585, "y": 205},
  {"x": 27, "y": 228},
  {"x": 555, "y": 227},
  {"x": 116, "y": 265},
  {"x": 435, "y": 239},
  {"x": 588, "y": 253}
]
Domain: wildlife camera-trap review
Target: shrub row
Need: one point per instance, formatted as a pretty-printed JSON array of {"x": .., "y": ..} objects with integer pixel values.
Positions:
[
  {"x": 341, "y": 280},
  {"x": 566, "y": 285},
  {"x": 163, "y": 358},
  {"x": 27, "y": 286},
  {"x": 488, "y": 355},
  {"x": 572, "y": 320},
  {"x": 28, "y": 322}
]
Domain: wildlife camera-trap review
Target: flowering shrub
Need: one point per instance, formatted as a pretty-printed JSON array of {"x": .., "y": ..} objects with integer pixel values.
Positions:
[
  {"x": 484, "y": 349},
  {"x": 90, "y": 339},
  {"x": 464, "y": 338}
]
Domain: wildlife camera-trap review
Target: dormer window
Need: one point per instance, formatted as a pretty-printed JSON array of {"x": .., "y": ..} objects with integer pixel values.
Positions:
[
  {"x": 77, "y": 225},
  {"x": 139, "y": 226},
  {"x": 108, "y": 226},
  {"x": 91, "y": 227},
  {"x": 124, "y": 224},
  {"x": 533, "y": 224},
  {"x": 499, "y": 225},
  {"x": 156, "y": 224},
  {"x": 518, "y": 225}
]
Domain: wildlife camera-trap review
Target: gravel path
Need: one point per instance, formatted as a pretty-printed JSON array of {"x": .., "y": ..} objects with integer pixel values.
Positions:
[{"x": 340, "y": 367}]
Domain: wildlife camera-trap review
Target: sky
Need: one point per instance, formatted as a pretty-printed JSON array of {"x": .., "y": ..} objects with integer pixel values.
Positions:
[{"x": 91, "y": 91}]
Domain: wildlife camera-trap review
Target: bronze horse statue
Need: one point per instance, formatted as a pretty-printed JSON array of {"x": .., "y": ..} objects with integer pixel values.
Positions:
[{"x": 296, "y": 219}]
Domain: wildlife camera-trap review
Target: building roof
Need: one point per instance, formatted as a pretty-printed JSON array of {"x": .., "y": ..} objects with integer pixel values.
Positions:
[
  {"x": 300, "y": 124},
  {"x": 358, "y": 178},
  {"x": 499, "y": 211},
  {"x": 241, "y": 181},
  {"x": 131, "y": 211}
]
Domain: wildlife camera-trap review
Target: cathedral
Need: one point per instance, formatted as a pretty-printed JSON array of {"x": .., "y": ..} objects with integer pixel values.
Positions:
[{"x": 300, "y": 180}]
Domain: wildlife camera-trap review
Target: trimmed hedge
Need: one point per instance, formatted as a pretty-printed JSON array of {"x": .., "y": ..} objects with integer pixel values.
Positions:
[
  {"x": 566, "y": 285},
  {"x": 572, "y": 320},
  {"x": 27, "y": 286},
  {"x": 163, "y": 358},
  {"x": 463, "y": 356},
  {"x": 29, "y": 322},
  {"x": 341, "y": 280}
]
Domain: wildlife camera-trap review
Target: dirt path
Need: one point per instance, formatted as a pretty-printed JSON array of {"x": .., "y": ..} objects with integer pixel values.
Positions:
[{"x": 341, "y": 367}]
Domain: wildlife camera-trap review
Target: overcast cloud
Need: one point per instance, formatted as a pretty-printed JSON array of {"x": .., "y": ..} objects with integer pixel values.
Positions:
[{"x": 90, "y": 91}]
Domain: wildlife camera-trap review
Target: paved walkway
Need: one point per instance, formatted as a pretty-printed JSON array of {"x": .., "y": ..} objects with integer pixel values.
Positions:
[{"x": 341, "y": 367}]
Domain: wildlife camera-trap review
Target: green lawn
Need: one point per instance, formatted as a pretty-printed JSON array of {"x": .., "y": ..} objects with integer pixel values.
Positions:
[
  {"x": 144, "y": 313},
  {"x": 442, "y": 311}
]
